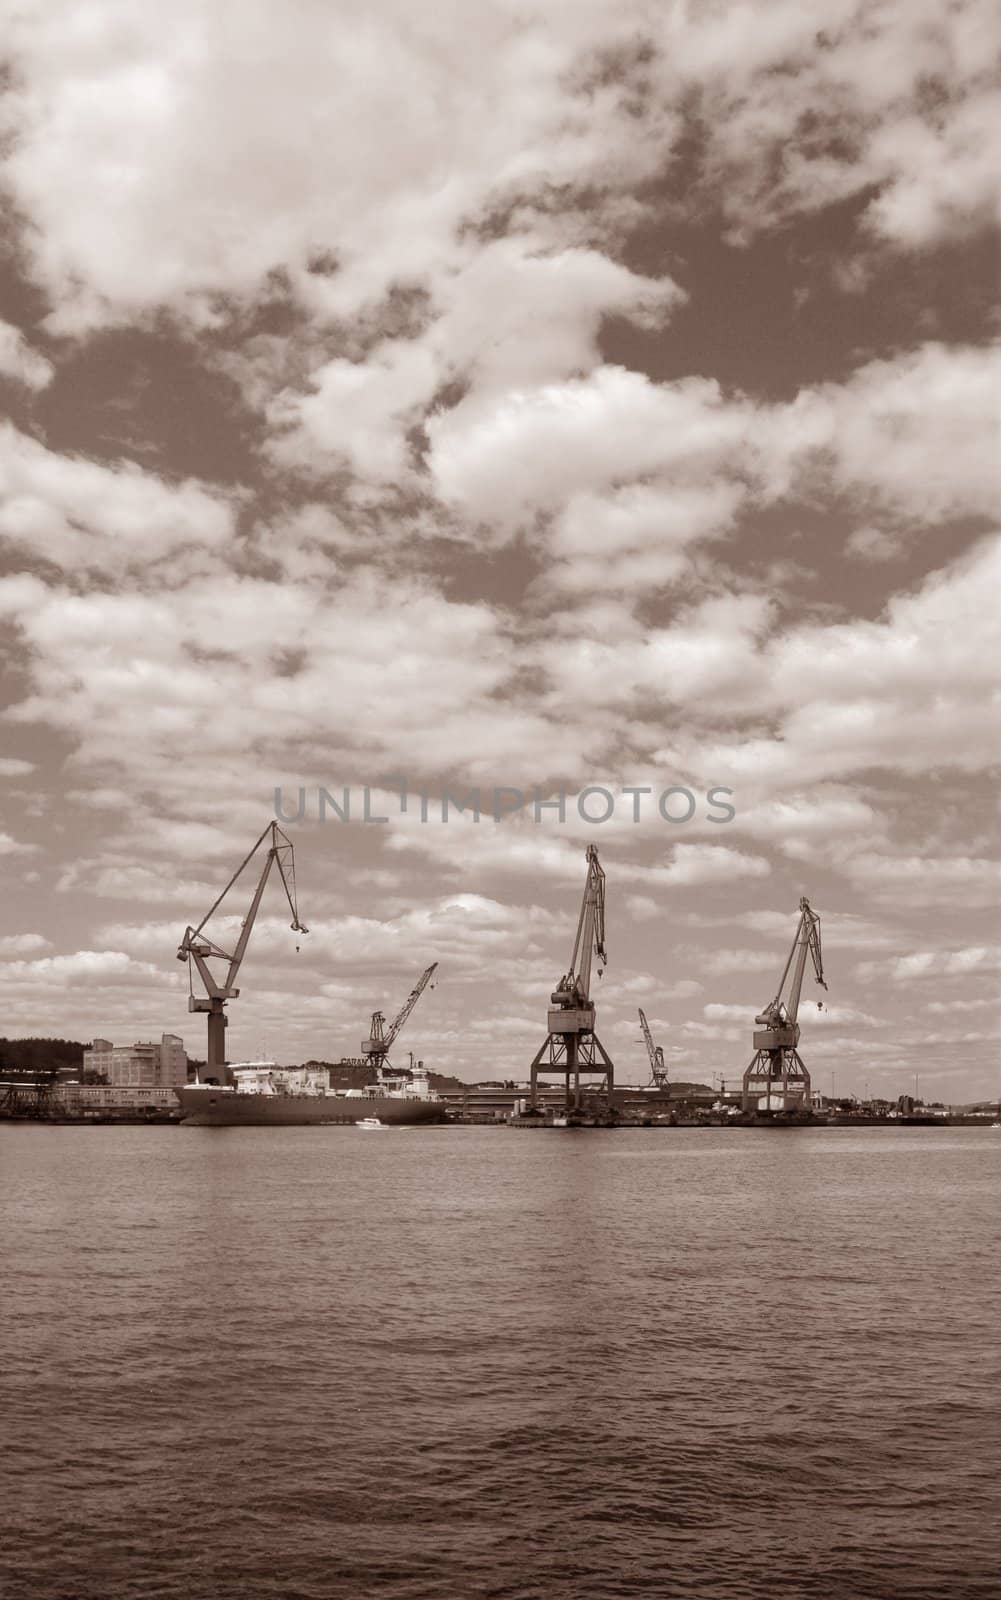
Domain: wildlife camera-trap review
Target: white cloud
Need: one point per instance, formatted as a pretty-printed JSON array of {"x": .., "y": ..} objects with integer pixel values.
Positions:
[
  {"x": 693, "y": 864},
  {"x": 502, "y": 460},
  {"x": 875, "y": 544},
  {"x": 78, "y": 513},
  {"x": 84, "y": 967},
  {"x": 931, "y": 963},
  {"x": 20, "y": 362},
  {"x": 204, "y": 176},
  {"x": 204, "y": 173},
  {"x": 23, "y": 944},
  {"x": 911, "y": 691},
  {"x": 14, "y": 847}
]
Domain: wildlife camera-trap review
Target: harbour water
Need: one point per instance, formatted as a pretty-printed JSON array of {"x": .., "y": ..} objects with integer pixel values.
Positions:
[{"x": 458, "y": 1362}]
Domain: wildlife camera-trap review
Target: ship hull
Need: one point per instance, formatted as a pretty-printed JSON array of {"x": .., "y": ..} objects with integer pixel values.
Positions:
[{"x": 204, "y": 1106}]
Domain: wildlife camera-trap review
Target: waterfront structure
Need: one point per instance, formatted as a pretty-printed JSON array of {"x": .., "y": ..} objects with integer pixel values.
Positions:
[
  {"x": 91, "y": 1099},
  {"x": 571, "y": 1046},
  {"x": 198, "y": 950},
  {"x": 143, "y": 1065},
  {"x": 776, "y": 1081}
]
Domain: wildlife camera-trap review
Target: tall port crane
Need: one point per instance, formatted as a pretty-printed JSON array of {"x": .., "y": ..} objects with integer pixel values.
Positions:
[
  {"x": 197, "y": 947},
  {"x": 776, "y": 1079},
  {"x": 658, "y": 1071},
  {"x": 381, "y": 1039},
  {"x": 571, "y": 1045}
]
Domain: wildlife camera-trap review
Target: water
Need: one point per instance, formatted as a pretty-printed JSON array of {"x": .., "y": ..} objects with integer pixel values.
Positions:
[{"x": 452, "y": 1363}]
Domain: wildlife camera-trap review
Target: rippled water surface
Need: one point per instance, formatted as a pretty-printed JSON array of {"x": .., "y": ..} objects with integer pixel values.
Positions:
[{"x": 452, "y": 1363}]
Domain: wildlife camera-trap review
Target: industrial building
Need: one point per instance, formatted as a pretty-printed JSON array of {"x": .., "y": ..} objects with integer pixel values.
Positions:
[
  {"x": 92, "y": 1099},
  {"x": 143, "y": 1065}
]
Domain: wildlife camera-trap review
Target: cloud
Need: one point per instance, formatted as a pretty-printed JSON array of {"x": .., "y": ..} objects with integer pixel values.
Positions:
[
  {"x": 20, "y": 362},
  {"x": 721, "y": 961},
  {"x": 809, "y": 1016},
  {"x": 204, "y": 179},
  {"x": 545, "y": 312},
  {"x": 875, "y": 544},
  {"x": 14, "y": 847},
  {"x": 693, "y": 864},
  {"x": 203, "y": 172},
  {"x": 22, "y": 944},
  {"x": 909, "y": 692},
  {"x": 915, "y": 434},
  {"x": 503, "y": 460},
  {"x": 14, "y": 767},
  {"x": 77, "y": 513},
  {"x": 931, "y": 963},
  {"x": 85, "y": 967},
  {"x": 926, "y": 879}
]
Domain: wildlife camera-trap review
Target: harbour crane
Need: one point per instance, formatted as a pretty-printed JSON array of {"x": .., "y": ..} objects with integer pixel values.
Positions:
[
  {"x": 571, "y": 1045},
  {"x": 776, "y": 1079},
  {"x": 658, "y": 1071},
  {"x": 381, "y": 1040},
  {"x": 197, "y": 947}
]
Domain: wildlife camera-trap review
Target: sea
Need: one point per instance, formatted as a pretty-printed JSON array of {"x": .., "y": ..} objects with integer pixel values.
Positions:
[{"x": 447, "y": 1363}]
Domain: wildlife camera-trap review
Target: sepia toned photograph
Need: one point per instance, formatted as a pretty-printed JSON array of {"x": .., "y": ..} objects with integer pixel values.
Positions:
[{"x": 500, "y": 959}]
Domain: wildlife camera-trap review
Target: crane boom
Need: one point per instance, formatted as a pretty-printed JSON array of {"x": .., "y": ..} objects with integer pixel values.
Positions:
[
  {"x": 781, "y": 1014},
  {"x": 381, "y": 1040},
  {"x": 196, "y": 946},
  {"x": 658, "y": 1071},
  {"x": 409, "y": 1003},
  {"x": 590, "y": 937}
]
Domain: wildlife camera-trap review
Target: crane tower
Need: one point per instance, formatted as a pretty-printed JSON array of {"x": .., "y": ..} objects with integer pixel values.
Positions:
[
  {"x": 197, "y": 947},
  {"x": 571, "y": 1047},
  {"x": 776, "y": 1079}
]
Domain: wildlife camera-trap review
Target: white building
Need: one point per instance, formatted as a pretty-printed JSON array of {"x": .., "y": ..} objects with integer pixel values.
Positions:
[{"x": 145, "y": 1064}]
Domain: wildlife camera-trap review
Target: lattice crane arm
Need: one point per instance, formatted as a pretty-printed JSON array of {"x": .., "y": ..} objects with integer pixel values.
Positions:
[
  {"x": 197, "y": 946},
  {"x": 807, "y": 940},
  {"x": 408, "y": 1004},
  {"x": 590, "y": 937},
  {"x": 651, "y": 1048}
]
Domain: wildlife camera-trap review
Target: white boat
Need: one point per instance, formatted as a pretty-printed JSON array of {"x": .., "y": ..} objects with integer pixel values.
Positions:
[{"x": 370, "y": 1124}]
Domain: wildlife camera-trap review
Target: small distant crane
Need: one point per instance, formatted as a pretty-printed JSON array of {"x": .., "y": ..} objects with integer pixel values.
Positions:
[
  {"x": 658, "y": 1071},
  {"x": 571, "y": 1044},
  {"x": 381, "y": 1039},
  {"x": 776, "y": 1071},
  {"x": 197, "y": 947}
]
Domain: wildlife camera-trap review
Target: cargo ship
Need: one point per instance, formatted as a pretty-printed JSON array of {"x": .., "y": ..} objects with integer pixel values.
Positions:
[{"x": 265, "y": 1095}]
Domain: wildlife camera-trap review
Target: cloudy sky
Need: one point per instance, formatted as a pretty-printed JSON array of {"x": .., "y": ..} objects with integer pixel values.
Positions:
[{"x": 541, "y": 395}]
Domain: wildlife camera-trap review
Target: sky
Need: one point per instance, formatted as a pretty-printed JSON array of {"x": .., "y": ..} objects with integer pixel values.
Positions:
[{"x": 529, "y": 396}]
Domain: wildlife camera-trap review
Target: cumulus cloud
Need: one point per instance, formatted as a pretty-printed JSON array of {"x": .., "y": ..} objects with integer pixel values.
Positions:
[
  {"x": 204, "y": 178},
  {"x": 76, "y": 513},
  {"x": 932, "y": 963},
  {"x": 23, "y": 944},
  {"x": 19, "y": 361},
  {"x": 84, "y": 967}
]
